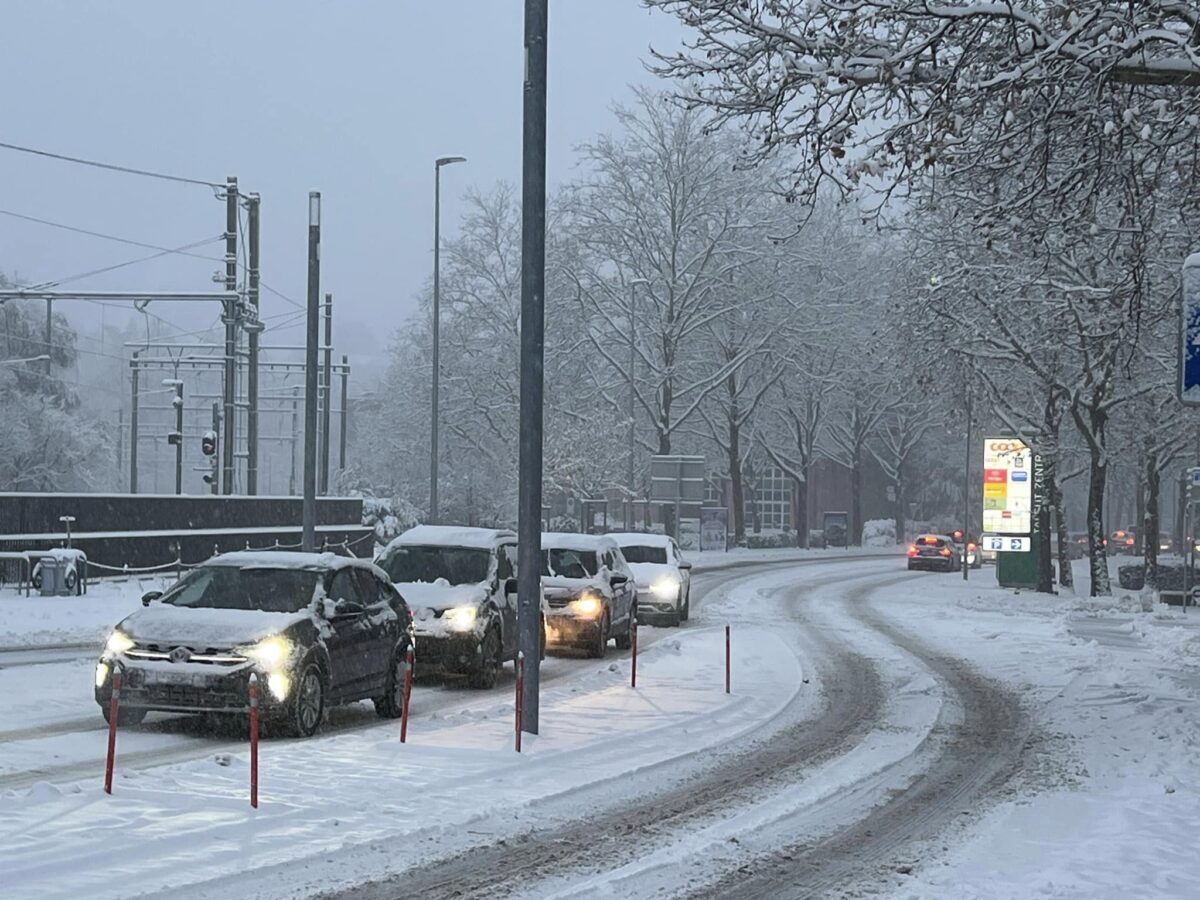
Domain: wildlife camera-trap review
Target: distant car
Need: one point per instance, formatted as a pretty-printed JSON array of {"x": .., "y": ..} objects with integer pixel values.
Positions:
[
  {"x": 1166, "y": 543},
  {"x": 968, "y": 547},
  {"x": 316, "y": 628},
  {"x": 937, "y": 552},
  {"x": 986, "y": 553},
  {"x": 590, "y": 592},
  {"x": 663, "y": 576},
  {"x": 1122, "y": 542},
  {"x": 460, "y": 584}
]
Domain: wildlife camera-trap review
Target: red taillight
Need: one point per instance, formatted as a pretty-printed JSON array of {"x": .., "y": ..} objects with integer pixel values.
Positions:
[
  {"x": 912, "y": 550},
  {"x": 1129, "y": 542},
  {"x": 970, "y": 546},
  {"x": 945, "y": 551}
]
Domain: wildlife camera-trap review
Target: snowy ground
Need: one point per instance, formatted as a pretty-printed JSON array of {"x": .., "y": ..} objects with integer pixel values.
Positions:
[{"x": 889, "y": 733}]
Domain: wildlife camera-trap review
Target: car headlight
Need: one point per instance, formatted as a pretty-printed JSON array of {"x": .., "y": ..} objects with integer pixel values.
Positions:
[
  {"x": 460, "y": 618},
  {"x": 665, "y": 587},
  {"x": 118, "y": 642},
  {"x": 101, "y": 674},
  {"x": 278, "y": 684},
  {"x": 588, "y": 604},
  {"x": 270, "y": 653}
]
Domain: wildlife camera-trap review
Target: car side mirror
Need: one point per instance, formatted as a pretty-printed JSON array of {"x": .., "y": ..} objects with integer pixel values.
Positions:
[
  {"x": 150, "y": 596},
  {"x": 684, "y": 564},
  {"x": 617, "y": 580},
  {"x": 510, "y": 586},
  {"x": 345, "y": 609}
]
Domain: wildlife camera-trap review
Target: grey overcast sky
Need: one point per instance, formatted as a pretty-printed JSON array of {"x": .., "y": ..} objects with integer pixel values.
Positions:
[{"x": 354, "y": 99}]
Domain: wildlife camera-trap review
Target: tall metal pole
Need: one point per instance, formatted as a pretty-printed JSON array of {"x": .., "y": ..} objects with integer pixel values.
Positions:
[
  {"x": 533, "y": 280},
  {"x": 295, "y": 436},
  {"x": 437, "y": 323},
  {"x": 133, "y": 424},
  {"x": 178, "y": 403},
  {"x": 230, "y": 318},
  {"x": 967, "y": 493},
  {"x": 309, "y": 538},
  {"x": 216, "y": 428},
  {"x": 326, "y": 393},
  {"x": 252, "y": 278},
  {"x": 120, "y": 442},
  {"x": 345, "y": 414},
  {"x": 50, "y": 334}
]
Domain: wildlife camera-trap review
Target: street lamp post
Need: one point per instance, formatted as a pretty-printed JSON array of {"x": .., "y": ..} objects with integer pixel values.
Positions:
[
  {"x": 629, "y": 481},
  {"x": 437, "y": 244}
]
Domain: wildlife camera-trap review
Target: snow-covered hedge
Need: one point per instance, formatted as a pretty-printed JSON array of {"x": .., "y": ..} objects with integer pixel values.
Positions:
[
  {"x": 879, "y": 533},
  {"x": 389, "y": 517}
]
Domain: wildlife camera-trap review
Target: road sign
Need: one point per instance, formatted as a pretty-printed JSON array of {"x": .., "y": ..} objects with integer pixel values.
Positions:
[
  {"x": 1007, "y": 486},
  {"x": 1004, "y": 544},
  {"x": 1189, "y": 333},
  {"x": 1194, "y": 484}
]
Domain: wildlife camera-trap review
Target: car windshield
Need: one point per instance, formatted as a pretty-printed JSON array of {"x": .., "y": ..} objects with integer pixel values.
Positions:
[
  {"x": 458, "y": 565},
  {"x": 569, "y": 563},
  {"x": 257, "y": 588},
  {"x": 641, "y": 554}
]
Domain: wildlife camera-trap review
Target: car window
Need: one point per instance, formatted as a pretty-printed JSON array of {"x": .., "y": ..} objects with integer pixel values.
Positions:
[
  {"x": 231, "y": 587},
  {"x": 504, "y": 565},
  {"x": 369, "y": 587},
  {"x": 569, "y": 563},
  {"x": 458, "y": 565},
  {"x": 618, "y": 562},
  {"x": 640, "y": 553},
  {"x": 344, "y": 586}
]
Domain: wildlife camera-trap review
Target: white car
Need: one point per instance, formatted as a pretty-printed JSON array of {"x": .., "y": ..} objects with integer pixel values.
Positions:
[
  {"x": 589, "y": 592},
  {"x": 460, "y": 584},
  {"x": 664, "y": 578}
]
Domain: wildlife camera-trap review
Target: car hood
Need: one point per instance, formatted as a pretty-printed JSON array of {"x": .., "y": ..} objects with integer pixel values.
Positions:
[
  {"x": 558, "y": 586},
  {"x": 161, "y": 623},
  {"x": 441, "y": 594},
  {"x": 648, "y": 573}
]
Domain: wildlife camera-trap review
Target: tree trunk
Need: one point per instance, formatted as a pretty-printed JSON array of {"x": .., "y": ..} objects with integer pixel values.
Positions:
[
  {"x": 854, "y": 538},
  {"x": 1066, "y": 577},
  {"x": 1097, "y": 553},
  {"x": 1041, "y": 525},
  {"x": 736, "y": 488},
  {"x": 901, "y": 518},
  {"x": 1150, "y": 517},
  {"x": 801, "y": 517}
]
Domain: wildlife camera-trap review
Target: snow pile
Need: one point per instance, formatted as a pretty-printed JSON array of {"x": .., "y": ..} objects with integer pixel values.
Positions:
[
  {"x": 39, "y": 621},
  {"x": 879, "y": 533}
]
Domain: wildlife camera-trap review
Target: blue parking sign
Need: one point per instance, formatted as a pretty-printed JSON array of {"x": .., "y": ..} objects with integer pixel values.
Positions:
[{"x": 1189, "y": 351}]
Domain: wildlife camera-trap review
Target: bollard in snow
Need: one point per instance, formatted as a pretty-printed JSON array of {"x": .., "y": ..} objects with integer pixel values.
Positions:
[
  {"x": 114, "y": 706},
  {"x": 520, "y": 706},
  {"x": 633, "y": 669},
  {"x": 254, "y": 740},
  {"x": 727, "y": 659},
  {"x": 409, "y": 661}
]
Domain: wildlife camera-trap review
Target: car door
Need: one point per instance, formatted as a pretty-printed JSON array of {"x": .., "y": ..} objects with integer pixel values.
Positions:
[
  {"x": 349, "y": 643},
  {"x": 506, "y": 568},
  {"x": 382, "y": 629},
  {"x": 623, "y": 595},
  {"x": 685, "y": 572}
]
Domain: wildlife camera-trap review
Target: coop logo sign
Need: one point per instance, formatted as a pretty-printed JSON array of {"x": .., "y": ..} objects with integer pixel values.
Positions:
[{"x": 1007, "y": 488}]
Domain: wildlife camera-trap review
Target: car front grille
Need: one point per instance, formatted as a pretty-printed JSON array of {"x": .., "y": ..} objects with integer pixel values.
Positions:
[{"x": 205, "y": 655}]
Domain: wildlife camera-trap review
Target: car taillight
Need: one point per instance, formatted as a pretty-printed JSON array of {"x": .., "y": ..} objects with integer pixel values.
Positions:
[
  {"x": 945, "y": 551},
  {"x": 912, "y": 550},
  {"x": 970, "y": 546},
  {"x": 1129, "y": 542}
]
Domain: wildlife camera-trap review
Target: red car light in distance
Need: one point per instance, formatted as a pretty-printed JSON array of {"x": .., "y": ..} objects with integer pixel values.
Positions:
[
  {"x": 912, "y": 550},
  {"x": 945, "y": 551},
  {"x": 971, "y": 546}
]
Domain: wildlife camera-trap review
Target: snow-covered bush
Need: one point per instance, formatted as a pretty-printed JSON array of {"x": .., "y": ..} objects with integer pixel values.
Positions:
[
  {"x": 879, "y": 533},
  {"x": 389, "y": 517}
]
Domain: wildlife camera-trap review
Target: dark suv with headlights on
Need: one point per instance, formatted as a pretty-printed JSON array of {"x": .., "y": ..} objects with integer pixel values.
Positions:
[
  {"x": 317, "y": 629},
  {"x": 590, "y": 592},
  {"x": 461, "y": 586}
]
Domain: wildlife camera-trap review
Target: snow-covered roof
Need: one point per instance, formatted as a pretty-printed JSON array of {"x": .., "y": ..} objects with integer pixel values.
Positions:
[
  {"x": 284, "y": 559},
  {"x": 567, "y": 540},
  {"x": 640, "y": 539},
  {"x": 453, "y": 536}
]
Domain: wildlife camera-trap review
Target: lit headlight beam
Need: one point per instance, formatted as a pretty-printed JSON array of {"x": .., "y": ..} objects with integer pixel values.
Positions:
[
  {"x": 271, "y": 653},
  {"x": 460, "y": 618},
  {"x": 588, "y": 605},
  {"x": 665, "y": 587},
  {"x": 118, "y": 642}
]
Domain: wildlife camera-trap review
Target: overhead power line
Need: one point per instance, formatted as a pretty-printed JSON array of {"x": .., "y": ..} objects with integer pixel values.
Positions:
[
  {"x": 128, "y": 170},
  {"x": 131, "y": 262},
  {"x": 107, "y": 237}
]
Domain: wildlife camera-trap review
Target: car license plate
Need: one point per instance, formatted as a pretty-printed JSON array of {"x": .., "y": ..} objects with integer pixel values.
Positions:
[{"x": 156, "y": 677}]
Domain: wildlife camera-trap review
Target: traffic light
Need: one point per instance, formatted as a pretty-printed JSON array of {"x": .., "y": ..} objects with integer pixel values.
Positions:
[{"x": 208, "y": 444}]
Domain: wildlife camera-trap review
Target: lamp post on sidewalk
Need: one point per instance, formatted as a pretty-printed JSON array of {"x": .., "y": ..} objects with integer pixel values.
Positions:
[{"x": 437, "y": 245}]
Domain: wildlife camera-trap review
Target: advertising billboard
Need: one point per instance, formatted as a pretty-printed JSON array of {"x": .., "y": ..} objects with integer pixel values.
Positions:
[{"x": 1007, "y": 486}]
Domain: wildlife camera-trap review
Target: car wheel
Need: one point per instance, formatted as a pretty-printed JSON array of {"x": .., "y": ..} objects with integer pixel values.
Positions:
[
  {"x": 543, "y": 636},
  {"x": 686, "y": 609},
  {"x": 308, "y": 706},
  {"x": 599, "y": 644},
  {"x": 625, "y": 641},
  {"x": 391, "y": 704},
  {"x": 485, "y": 676},
  {"x": 911, "y": 567},
  {"x": 127, "y": 716}
]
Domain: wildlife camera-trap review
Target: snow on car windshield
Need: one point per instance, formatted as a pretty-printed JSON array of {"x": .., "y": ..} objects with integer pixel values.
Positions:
[
  {"x": 569, "y": 563},
  {"x": 645, "y": 554},
  {"x": 458, "y": 565},
  {"x": 228, "y": 587}
]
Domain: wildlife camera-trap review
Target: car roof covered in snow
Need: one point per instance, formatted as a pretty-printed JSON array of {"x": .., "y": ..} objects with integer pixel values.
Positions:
[
  {"x": 567, "y": 540},
  {"x": 640, "y": 539},
  {"x": 453, "y": 536},
  {"x": 285, "y": 559}
]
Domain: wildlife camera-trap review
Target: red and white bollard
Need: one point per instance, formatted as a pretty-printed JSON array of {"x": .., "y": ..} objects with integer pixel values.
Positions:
[
  {"x": 727, "y": 659},
  {"x": 633, "y": 668},
  {"x": 520, "y": 696},
  {"x": 254, "y": 740},
  {"x": 409, "y": 662},
  {"x": 114, "y": 707}
]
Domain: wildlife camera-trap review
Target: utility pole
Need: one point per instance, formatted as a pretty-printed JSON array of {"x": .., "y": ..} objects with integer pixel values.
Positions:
[
  {"x": 309, "y": 539},
  {"x": 176, "y": 436},
  {"x": 133, "y": 424},
  {"x": 345, "y": 413},
  {"x": 533, "y": 282},
  {"x": 50, "y": 334},
  {"x": 252, "y": 276},
  {"x": 967, "y": 492},
  {"x": 215, "y": 476},
  {"x": 120, "y": 441},
  {"x": 437, "y": 321},
  {"x": 230, "y": 318},
  {"x": 295, "y": 437},
  {"x": 326, "y": 394}
]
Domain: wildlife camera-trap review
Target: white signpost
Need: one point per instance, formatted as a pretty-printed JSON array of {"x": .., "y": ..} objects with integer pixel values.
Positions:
[{"x": 1007, "y": 494}]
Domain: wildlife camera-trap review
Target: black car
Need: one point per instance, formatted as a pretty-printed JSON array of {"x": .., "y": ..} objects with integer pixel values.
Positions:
[
  {"x": 935, "y": 552},
  {"x": 318, "y": 630}
]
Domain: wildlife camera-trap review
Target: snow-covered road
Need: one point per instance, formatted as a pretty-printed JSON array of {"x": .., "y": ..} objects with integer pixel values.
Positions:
[{"x": 889, "y": 733}]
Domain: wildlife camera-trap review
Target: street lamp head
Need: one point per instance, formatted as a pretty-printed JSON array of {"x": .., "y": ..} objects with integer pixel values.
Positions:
[
  {"x": 448, "y": 160},
  {"x": 314, "y": 208}
]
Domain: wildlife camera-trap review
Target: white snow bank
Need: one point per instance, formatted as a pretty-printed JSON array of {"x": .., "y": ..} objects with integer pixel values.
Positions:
[{"x": 38, "y": 621}]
